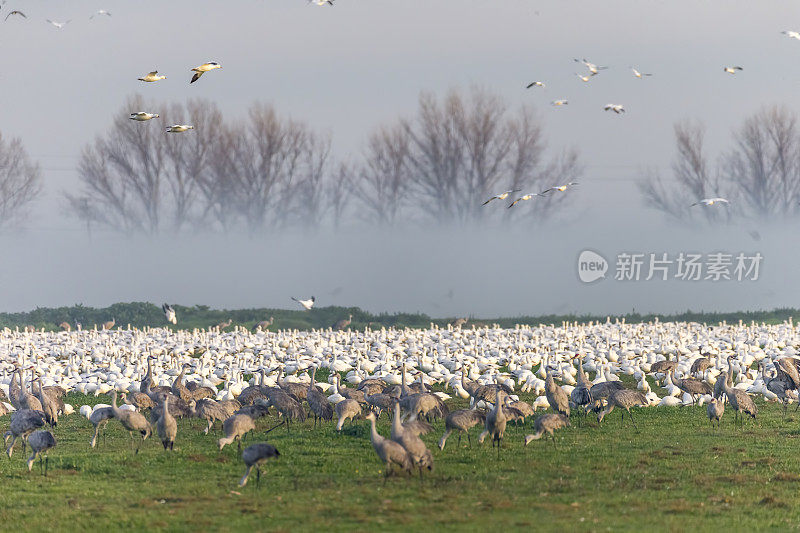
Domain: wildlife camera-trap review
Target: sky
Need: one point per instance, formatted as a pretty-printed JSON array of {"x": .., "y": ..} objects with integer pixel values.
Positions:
[{"x": 349, "y": 68}]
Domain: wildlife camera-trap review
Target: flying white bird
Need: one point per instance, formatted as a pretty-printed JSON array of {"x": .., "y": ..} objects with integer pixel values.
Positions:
[
  {"x": 169, "y": 312},
  {"x": 587, "y": 77},
  {"x": 616, "y": 108},
  {"x": 501, "y": 196},
  {"x": 792, "y": 34},
  {"x": 205, "y": 67},
  {"x": 307, "y": 304},
  {"x": 17, "y": 12},
  {"x": 59, "y": 25},
  {"x": 535, "y": 84},
  {"x": 100, "y": 12},
  {"x": 558, "y": 103},
  {"x": 321, "y": 2},
  {"x": 523, "y": 198},
  {"x": 638, "y": 74},
  {"x": 710, "y": 201},
  {"x": 591, "y": 66},
  {"x": 560, "y": 188},
  {"x": 141, "y": 116},
  {"x": 732, "y": 70},
  {"x": 179, "y": 128},
  {"x": 152, "y": 76}
]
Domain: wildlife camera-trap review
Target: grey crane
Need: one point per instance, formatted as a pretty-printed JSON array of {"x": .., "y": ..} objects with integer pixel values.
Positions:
[
  {"x": 236, "y": 427},
  {"x": 343, "y": 323},
  {"x": 462, "y": 421},
  {"x": 407, "y": 436},
  {"x": 178, "y": 388},
  {"x": 379, "y": 403},
  {"x": 495, "y": 423},
  {"x": 254, "y": 456},
  {"x": 139, "y": 400},
  {"x": 23, "y": 423},
  {"x": 700, "y": 365},
  {"x": 715, "y": 410},
  {"x": 317, "y": 401},
  {"x": 580, "y": 395},
  {"x": 110, "y": 324},
  {"x": 661, "y": 367},
  {"x": 298, "y": 390},
  {"x": 350, "y": 394},
  {"x": 99, "y": 419},
  {"x": 166, "y": 426},
  {"x": 778, "y": 386},
  {"x": 289, "y": 408},
  {"x": 50, "y": 406},
  {"x": 130, "y": 420},
  {"x": 389, "y": 451},
  {"x": 250, "y": 394},
  {"x": 740, "y": 401},
  {"x": 546, "y": 424},
  {"x": 40, "y": 442},
  {"x": 458, "y": 322},
  {"x": 624, "y": 399},
  {"x": 347, "y": 409},
  {"x": 556, "y": 396},
  {"x": 212, "y": 411},
  {"x": 223, "y": 325},
  {"x": 25, "y": 399},
  {"x": 691, "y": 386},
  {"x": 264, "y": 324}
]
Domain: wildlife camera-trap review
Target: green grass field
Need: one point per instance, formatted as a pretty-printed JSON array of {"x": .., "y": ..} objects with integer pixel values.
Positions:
[{"x": 675, "y": 472}]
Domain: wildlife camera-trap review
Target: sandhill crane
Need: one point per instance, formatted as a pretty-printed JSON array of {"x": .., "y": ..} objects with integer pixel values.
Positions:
[
  {"x": 343, "y": 323},
  {"x": 700, "y": 365},
  {"x": 99, "y": 418},
  {"x": 23, "y": 423},
  {"x": 256, "y": 455},
  {"x": 65, "y": 326},
  {"x": 166, "y": 425},
  {"x": 347, "y": 409},
  {"x": 49, "y": 405},
  {"x": 715, "y": 410},
  {"x": 178, "y": 388},
  {"x": 690, "y": 385},
  {"x": 379, "y": 403},
  {"x": 740, "y": 401},
  {"x": 130, "y": 420},
  {"x": 556, "y": 396},
  {"x": 26, "y": 400},
  {"x": 317, "y": 401},
  {"x": 110, "y": 324},
  {"x": 236, "y": 427},
  {"x": 777, "y": 386},
  {"x": 547, "y": 424},
  {"x": 264, "y": 324},
  {"x": 212, "y": 411},
  {"x": 522, "y": 409},
  {"x": 786, "y": 367},
  {"x": 40, "y": 441},
  {"x": 661, "y": 367},
  {"x": 389, "y": 451},
  {"x": 289, "y": 408},
  {"x": 408, "y": 437},
  {"x": 169, "y": 312},
  {"x": 139, "y": 400},
  {"x": 298, "y": 390},
  {"x": 462, "y": 421},
  {"x": 496, "y": 423},
  {"x": 349, "y": 394},
  {"x": 459, "y": 322},
  {"x": 624, "y": 399},
  {"x": 223, "y": 325},
  {"x": 580, "y": 395}
]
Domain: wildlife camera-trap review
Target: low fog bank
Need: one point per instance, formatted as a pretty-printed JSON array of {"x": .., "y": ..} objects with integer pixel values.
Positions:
[{"x": 471, "y": 272}]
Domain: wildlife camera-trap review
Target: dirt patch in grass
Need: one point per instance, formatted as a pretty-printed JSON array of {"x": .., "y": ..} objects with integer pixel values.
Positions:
[
  {"x": 769, "y": 501},
  {"x": 786, "y": 476},
  {"x": 196, "y": 458}
]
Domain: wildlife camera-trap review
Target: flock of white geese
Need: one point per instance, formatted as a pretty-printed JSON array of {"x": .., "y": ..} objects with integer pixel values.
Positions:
[{"x": 522, "y": 359}]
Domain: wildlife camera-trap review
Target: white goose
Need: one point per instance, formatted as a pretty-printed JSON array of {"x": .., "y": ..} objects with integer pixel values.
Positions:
[
  {"x": 142, "y": 116},
  {"x": 152, "y": 76},
  {"x": 202, "y": 69},
  {"x": 179, "y": 128}
]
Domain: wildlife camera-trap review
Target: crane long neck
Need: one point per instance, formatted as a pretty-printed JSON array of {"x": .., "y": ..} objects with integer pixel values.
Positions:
[{"x": 373, "y": 430}]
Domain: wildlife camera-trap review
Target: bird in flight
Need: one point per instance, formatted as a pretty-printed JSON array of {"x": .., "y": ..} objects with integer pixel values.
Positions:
[
  {"x": 587, "y": 77},
  {"x": 523, "y": 198},
  {"x": 205, "y": 67},
  {"x": 732, "y": 70},
  {"x": 560, "y": 188},
  {"x": 141, "y": 116},
  {"x": 594, "y": 69},
  {"x": 152, "y": 76},
  {"x": 17, "y": 12},
  {"x": 792, "y": 34},
  {"x": 616, "y": 108},
  {"x": 710, "y": 201},
  {"x": 638, "y": 74},
  {"x": 100, "y": 12},
  {"x": 59, "y": 25},
  {"x": 501, "y": 196},
  {"x": 169, "y": 312},
  {"x": 307, "y": 304},
  {"x": 559, "y": 103},
  {"x": 321, "y": 2},
  {"x": 535, "y": 84},
  {"x": 179, "y": 128}
]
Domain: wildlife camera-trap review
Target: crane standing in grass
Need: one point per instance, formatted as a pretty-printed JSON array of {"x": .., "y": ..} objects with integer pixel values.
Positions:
[
  {"x": 40, "y": 441},
  {"x": 254, "y": 456},
  {"x": 740, "y": 401},
  {"x": 389, "y": 451},
  {"x": 130, "y": 420},
  {"x": 462, "y": 421},
  {"x": 495, "y": 423},
  {"x": 624, "y": 399},
  {"x": 166, "y": 425},
  {"x": 547, "y": 424}
]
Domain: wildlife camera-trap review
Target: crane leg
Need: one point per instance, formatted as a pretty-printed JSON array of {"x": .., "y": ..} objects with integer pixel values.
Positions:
[
  {"x": 459, "y": 439},
  {"x": 469, "y": 440},
  {"x": 258, "y": 477}
]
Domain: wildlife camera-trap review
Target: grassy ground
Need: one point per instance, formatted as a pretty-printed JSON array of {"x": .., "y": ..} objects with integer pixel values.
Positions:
[{"x": 675, "y": 472}]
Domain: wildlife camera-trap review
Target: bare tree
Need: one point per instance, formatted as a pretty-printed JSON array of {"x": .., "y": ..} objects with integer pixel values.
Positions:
[
  {"x": 382, "y": 182},
  {"x": 465, "y": 149},
  {"x": 692, "y": 178},
  {"x": 20, "y": 182},
  {"x": 763, "y": 170},
  {"x": 137, "y": 177},
  {"x": 338, "y": 190}
]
